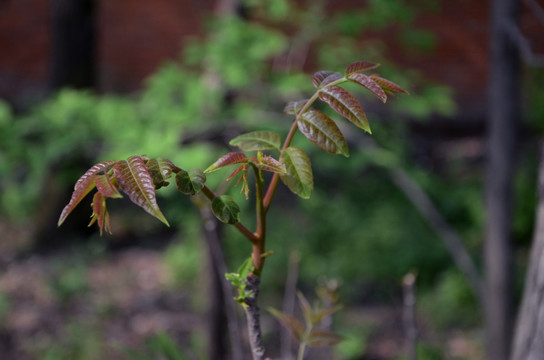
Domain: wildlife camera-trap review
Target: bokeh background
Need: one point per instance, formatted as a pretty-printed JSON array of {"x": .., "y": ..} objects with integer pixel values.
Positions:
[{"x": 83, "y": 81}]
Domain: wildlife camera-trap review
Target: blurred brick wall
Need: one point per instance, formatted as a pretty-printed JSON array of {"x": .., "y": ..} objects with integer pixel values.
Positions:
[{"x": 135, "y": 36}]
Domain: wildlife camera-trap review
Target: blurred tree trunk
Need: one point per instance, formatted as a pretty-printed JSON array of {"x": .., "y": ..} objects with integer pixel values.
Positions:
[
  {"x": 73, "y": 44},
  {"x": 503, "y": 110},
  {"x": 529, "y": 334}
]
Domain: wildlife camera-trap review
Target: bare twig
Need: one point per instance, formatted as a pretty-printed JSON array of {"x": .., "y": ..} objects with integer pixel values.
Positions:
[
  {"x": 438, "y": 223},
  {"x": 409, "y": 314},
  {"x": 451, "y": 238},
  {"x": 214, "y": 247},
  {"x": 289, "y": 298}
]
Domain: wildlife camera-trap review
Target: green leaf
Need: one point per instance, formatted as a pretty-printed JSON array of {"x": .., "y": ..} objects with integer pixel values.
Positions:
[
  {"x": 226, "y": 160},
  {"x": 293, "y": 107},
  {"x": 190, "y": 182},
  {"x": 299, "y": 178},
  {"x": 268, "y": 163},
  {"x": 389, "y": 87},
  {"x": 226, "y": 209},
  {"x": 246, "y": 268},
  {"x": 100, "y": 213},
  {"x": 360, "y": 66},
  {"x": 160, "y": 170},
  {"x": 323, "y": 132},
  {"x": 346, "y": 105},
  {"x": 293, "y": 325},
  {"x": 323, "y": 338},
  {"x": 368, "y": 83},
  {"x": 257, "y": 140},
  {"x": 135, "y": 181},
  {"x": 82, "y": 187},
  {"x": 322, "y": 78},
  {"x": 105, "y": 186}
]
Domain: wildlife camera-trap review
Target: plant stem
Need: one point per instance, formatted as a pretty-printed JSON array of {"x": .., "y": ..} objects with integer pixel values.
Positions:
[
  {"x": 253, "y": 317},
  {"x": 241, "y": 228},
  {"x": 260, "y": 233}
]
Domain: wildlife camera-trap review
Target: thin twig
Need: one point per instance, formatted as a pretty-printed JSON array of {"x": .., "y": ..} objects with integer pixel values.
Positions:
[
  {"x": 451, "y": 238},
  {"x": 214, "y": 245},
  {"x": 409, "y": 314},
  {"x": 288, "y": 307}
]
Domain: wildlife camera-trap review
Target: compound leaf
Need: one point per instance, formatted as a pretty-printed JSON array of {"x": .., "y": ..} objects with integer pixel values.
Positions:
[
  {"x": 360, "y": 66},
  {"x": 83, "y": 186},
  {"x": 190, "y": 182},
  {"x": 323, "y": 132},
  {"x": 299, "y": 178},
  {"x": 135, "y": 181},
  {"x": 292, "y": 324},
  {"x": 368, "y": 83},
  {"x": 226, "y": 209},
  {"x": 388, "y": 86},
  {"x": 226, "y": 160},
  {"x": 257, "y": 140},
  {"x": 322, "y": 78},
  {"x": 346, "y": 105},
  {"x": 293, "y": 107}
]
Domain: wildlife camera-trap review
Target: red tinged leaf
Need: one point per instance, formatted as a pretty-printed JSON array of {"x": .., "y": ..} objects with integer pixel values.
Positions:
[
  {"x": 369, "y": 84},
  {"x": 293, "y": 107},
  {"x": 323, "y": 132},
  {"x": 346, "y": 105},
  {"x": 100, "y": 213},
  {"x": 82, "y": 187},
  {"x": 292, "y": 324},
  {"x": 135, "y": 181},
  {"x": 268, "y": 163},
  {"x": 105, "y": 186},
  {"x": 226, "y": 160},
  {"x": 389, "y": 87},
  {"x": 360, "y": 66},
  {"x": 322, "y": 78},
  {"x": 307, "y": 310}
]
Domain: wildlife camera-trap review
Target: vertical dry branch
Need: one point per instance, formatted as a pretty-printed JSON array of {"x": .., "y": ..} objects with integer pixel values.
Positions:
[
  {"x": 289, "y": 298},
  {"x": 409, "y": 314},
  {"x": 503, "y": 112},
  {"x": 529, "y": 332},
  {"x": 222, "y": 291},
  {"x": 253, "y": 317}
]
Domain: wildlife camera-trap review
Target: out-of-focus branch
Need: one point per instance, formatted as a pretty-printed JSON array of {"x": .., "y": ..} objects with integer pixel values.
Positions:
[
  {"x": 449, "y": 235},
  {"x": 289, "y": 298},
  {"x": 409, "y": 314}
]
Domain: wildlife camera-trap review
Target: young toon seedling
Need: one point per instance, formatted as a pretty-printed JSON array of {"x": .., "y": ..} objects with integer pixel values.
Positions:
[{"x": 139, "y": 177}]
